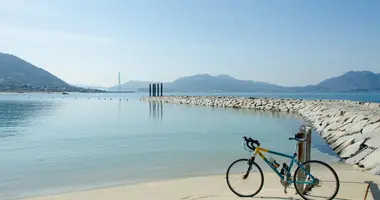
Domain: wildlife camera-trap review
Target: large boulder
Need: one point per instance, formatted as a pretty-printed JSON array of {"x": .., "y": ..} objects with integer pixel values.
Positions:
[
  {"x": 360, "y": 118},
  {"x": 342, "y": 141},
  {"x": 351, "y": 150},
  {"x": 374, "y": 140},
  {"x": 333, "y": 126},
  {"x": 372, "y": 160},
  {"x": 374, "y": 119},
  {"x": 370, "y": 127},
  {"x": 375, "y": 170},
  {"x": 359, "y": 156},
  {"x": 356, "y": 127}
]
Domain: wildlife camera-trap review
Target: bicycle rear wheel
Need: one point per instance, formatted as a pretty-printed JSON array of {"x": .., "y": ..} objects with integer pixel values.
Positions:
[
  {"x": 326, "y": 183},
  {"x": 244, "y": 172}
]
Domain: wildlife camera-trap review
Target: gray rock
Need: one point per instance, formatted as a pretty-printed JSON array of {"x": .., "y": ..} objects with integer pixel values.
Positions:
[
  {"x": 360, "y": 118},
  {"x": 336, "y": 143},
  {"x": 329, "y": 133},
  {"x": 343, "y": 146},
  {"x": 351, "y": 150},
  {"x": 371, "y": 160},
  {"x": 363, "y": 136},
  {"x": 375, "y": 170},
  {"x": 374, "y": 119},
  {"x": 356, "y": 127},
  {"x": 320, "y": 128},
  {"x": 332, "y": 127},
  {"x": 348, "y": 121},
  {"x": 370, "y": 127},
  {"x": 346, "y": 140},
  {"x": 335, "y": 120},
  {"x": 374, "y": 141},
  {"x": 359, "y": 156},
  {"x": 330, "y": 139},
  {"x": 336, "y": 135}
]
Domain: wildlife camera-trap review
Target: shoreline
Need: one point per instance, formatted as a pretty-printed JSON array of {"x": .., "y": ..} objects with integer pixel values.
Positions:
[
  {"x": 350, "y": 128},
  {"x": 352, "y": 186},
  {"x": 4, "y": 93}
]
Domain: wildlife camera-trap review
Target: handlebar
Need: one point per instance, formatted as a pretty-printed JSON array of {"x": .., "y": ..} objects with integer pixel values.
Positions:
[
  {"x": 249, "y": 142},
  {"x": 298, "y": 137}
]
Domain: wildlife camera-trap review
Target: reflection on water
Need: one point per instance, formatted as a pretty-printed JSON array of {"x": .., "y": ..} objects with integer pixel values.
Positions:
[
  {"x": 18, "y": 115},
  {"x": 156, "y": 110}
]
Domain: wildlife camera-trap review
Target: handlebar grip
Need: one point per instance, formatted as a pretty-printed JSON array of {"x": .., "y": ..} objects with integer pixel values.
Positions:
[{"x": 250, "y": 142}]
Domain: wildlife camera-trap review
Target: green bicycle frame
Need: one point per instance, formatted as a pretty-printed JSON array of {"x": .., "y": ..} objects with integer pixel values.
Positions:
[{"x": 293, "y": 160}]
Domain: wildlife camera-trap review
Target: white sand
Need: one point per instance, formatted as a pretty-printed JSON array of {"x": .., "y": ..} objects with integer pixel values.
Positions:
[{"x": 352, "y": 186}]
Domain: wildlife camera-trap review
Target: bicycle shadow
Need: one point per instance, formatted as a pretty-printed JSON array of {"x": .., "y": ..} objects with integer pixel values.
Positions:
[
  {"x": 288, "y": 198},
  {"x": 373, "y": 190}
]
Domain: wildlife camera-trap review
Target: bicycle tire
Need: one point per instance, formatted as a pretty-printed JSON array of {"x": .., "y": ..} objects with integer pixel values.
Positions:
[
  {"x": 252, "y": 164},
  {"x": 326, "y": 165}
]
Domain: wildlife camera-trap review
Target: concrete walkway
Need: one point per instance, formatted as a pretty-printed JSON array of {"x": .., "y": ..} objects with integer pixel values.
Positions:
[{"x": 352, "y": 187}]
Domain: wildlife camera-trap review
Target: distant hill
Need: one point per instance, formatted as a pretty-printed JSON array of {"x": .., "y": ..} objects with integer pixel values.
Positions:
[
  {"x": 14, "y": 70},
  {"x": 206, "y": 83},
  {"x": 223, "y": 83},
  {"x": 352, "y": 81},
  {"x": 18, "y": 75}
]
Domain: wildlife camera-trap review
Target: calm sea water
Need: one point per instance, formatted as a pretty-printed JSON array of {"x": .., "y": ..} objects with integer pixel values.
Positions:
[{"x": 59, "y": 143}]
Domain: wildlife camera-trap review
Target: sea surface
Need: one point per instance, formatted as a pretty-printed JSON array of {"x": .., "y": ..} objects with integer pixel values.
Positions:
[{"x": 52, "y": 143}]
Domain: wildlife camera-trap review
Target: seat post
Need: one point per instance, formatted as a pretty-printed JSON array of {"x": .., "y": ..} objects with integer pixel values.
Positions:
[{"x": 295, "y": 148}]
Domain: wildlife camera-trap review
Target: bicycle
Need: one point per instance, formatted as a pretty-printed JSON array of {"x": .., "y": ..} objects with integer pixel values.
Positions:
[{"x": 304, "y": 183}]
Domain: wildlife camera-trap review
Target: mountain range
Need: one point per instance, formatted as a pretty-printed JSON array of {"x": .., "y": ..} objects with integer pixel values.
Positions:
[
  {"x": 17, "y": 74},
  {"x": 352, "y": 81}
]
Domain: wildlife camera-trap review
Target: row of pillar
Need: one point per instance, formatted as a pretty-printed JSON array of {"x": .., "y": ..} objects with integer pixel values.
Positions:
[{"x": 156, "y": 89}]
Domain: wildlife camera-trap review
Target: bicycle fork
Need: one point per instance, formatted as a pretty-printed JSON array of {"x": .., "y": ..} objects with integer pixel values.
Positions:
[{"x": 250, "y": 161}]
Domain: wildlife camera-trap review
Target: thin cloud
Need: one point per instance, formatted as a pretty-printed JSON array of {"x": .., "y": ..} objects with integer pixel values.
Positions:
[
  {"x": 26, "y": 8},
  {"x": 10, "y": 34}
]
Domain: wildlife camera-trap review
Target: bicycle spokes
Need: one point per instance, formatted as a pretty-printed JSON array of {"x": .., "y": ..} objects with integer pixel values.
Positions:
[
  {"x": 244, "y": 178},
  {"x": 323, "y": 185}
]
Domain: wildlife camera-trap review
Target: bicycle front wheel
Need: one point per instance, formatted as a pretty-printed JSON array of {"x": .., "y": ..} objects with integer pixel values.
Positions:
[
  {"x": 326, "y": 181},
  {"x": 245, "y": 178}
]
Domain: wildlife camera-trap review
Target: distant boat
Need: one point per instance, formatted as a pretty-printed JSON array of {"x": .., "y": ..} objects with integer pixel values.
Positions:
[{"x": 65, "y": 93}]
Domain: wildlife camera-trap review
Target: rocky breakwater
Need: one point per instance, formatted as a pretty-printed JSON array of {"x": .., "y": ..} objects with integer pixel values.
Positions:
[{"x": 351, "y": 128}]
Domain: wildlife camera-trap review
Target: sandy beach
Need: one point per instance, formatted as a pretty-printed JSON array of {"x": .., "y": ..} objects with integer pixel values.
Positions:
[{"x": 352, "y": 186}]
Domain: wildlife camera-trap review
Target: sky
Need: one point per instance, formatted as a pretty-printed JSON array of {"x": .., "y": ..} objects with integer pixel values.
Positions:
[{"x": 290, "y": 43}]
